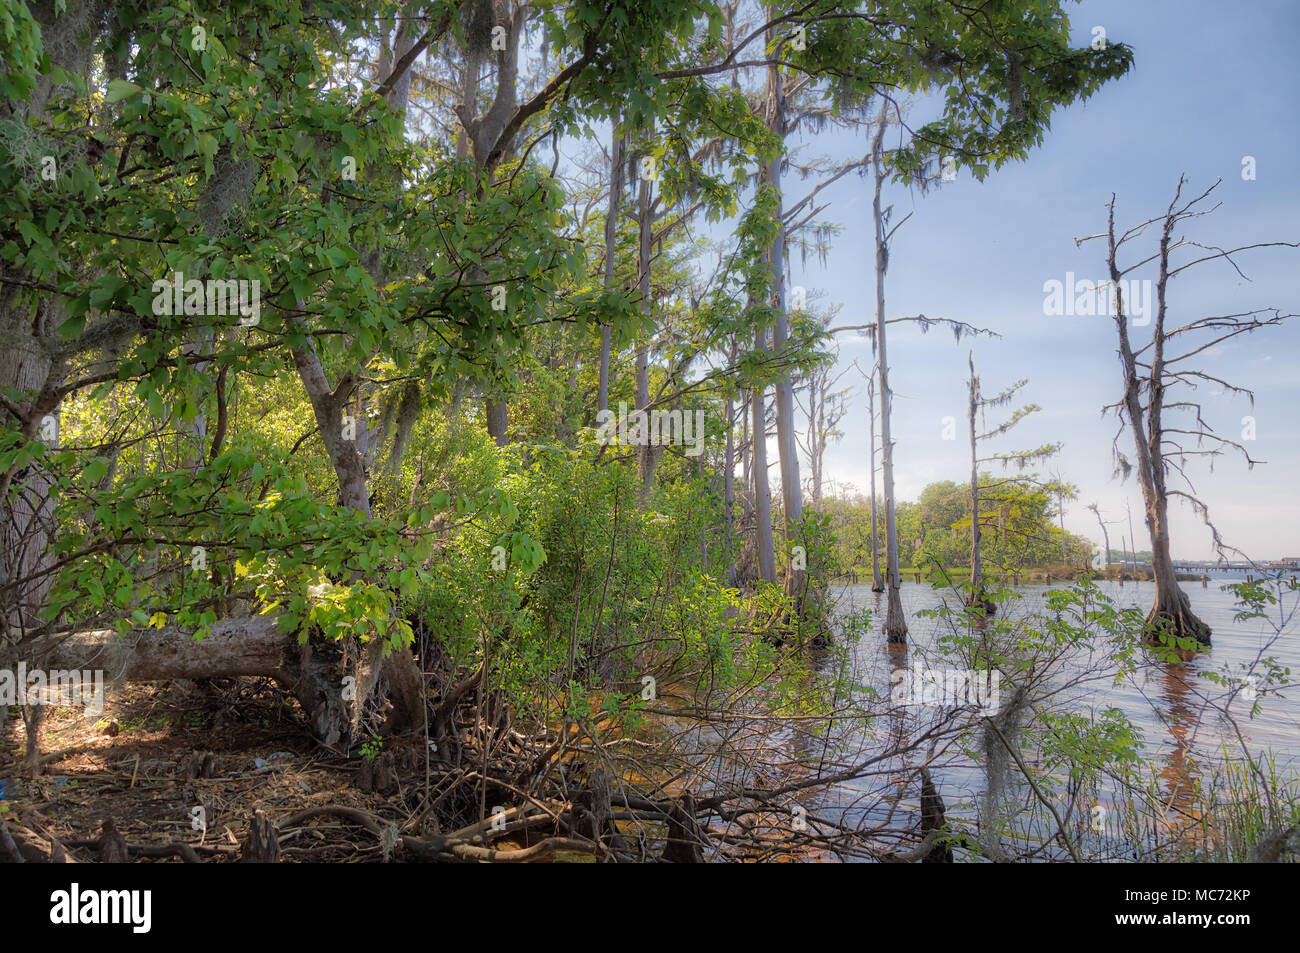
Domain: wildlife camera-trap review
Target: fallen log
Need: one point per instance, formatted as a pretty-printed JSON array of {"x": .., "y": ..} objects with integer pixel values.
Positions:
[{"x": 246, "y": 647}]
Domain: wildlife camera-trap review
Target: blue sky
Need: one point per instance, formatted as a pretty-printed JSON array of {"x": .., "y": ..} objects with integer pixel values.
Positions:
[{"x": 1211, "y": 83}]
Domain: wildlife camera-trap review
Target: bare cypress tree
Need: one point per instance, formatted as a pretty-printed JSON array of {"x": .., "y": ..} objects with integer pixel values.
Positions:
[
  {"x": 1152, "y": 378},
  {"x": 978, "y": 404},
  {"x": 876, "y": 584},
  {"x": 1064, "y": 490},
  {"x": 825, "y": 408},
  {"x": 1105, "y": 534},
  {"x": 895, "y": 627},
  {"x": 895, "y": 623}
]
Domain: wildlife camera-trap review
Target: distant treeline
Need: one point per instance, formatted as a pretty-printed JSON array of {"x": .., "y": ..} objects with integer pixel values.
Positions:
[{"x": 1020, "y": 519}]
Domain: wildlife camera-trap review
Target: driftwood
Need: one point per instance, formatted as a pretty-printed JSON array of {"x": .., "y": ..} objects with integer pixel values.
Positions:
[
  {"x": 21, "y": 845},
  {"x": 186, "y": 852}
]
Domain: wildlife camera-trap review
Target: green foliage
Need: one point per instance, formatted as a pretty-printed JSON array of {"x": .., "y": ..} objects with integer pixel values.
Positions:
[
  {"x": 195, "y": 480},
  {"x": 1017, "y": 521}
]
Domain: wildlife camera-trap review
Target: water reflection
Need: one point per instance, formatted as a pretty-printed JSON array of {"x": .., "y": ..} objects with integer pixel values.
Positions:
[{"x": 1181, "y": 716}]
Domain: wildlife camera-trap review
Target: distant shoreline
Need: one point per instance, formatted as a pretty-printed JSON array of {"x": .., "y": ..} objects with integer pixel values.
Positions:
[{"x": 1044, "y": 574}]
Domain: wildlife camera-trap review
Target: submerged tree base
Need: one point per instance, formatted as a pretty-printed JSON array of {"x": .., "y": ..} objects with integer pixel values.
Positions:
[
  {"x": 1164, "y": 622},
  {"x": 980, "y": 600},
  {"x": 895, "y": 622}
]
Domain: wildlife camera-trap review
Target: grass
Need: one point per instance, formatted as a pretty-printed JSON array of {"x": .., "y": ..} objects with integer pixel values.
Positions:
[{"x": 1225, "y": 814}]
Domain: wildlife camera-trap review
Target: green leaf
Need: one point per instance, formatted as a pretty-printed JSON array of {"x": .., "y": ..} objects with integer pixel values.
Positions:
[
  {"x": 105, "y": 290},
  {"x": 119, "y": 89},
  {"x": 72, "y": 327}
]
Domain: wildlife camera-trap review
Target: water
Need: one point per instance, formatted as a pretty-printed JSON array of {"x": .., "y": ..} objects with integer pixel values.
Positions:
[
  {"x": 1170, "y": 703},
  {"x": 1236, "y": 645},
  {"x": 858, "y": 768}
]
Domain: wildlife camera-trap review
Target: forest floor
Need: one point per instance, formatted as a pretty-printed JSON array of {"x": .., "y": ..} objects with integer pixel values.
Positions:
[
  {"x": 191, "y": 771},
  {"x": 229, "y": 746}
]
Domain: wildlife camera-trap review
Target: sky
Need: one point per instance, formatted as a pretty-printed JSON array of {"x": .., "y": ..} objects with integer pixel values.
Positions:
[{"x": 1211, "y": 84}]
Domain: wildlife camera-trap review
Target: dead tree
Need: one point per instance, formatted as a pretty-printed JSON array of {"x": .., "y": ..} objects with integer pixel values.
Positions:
[
  {"x": 895, "y": 623},
  {"x": 1157, "y": 372},
  {"x": 825, "y": 408},
  {"x": 978, "y": 404},
  {"x": 876, "y": 584},
  {"x": 895, "y": 627},
  {"x": 1105, "y": 534}
]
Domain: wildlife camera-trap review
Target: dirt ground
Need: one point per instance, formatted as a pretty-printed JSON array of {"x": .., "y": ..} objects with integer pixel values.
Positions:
[
  {"x": 143, "y": 764},
  {"x": 193, "y": 771}
]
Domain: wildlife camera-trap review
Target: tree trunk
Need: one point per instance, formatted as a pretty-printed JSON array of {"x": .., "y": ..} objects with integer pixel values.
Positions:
[
  {"x": 762, "y": 492},
  {"x": 977, "y": 596},
  {"x": 611, "y": 249},
  {"x": 262, "y": 845},
  {"x": 1105, "y": 563},
  {"x": 497, "y": 420},
  {"x": 791, "y": 491},
  {"x": 818, "y": 384},
  {"x": 729, "y": 486},
  {"x": 33, "y": 364},
  {"x": 648, "y": 456},
  {"x": 895, "y": 622},
  {"x": 349, "y": 448},
  {"x": 876, "y": 584},
  {"x": 26, "y": 510},
  {"x": 1171, "y": 611},
  {"x": 746, "y": 444},
  {"x": 484, "y": 134},
  {"x": 1060, "y": 506}
]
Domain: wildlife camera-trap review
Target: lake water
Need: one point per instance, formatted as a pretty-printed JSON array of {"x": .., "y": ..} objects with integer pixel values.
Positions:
[{"x": 1166, "y": 701}]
